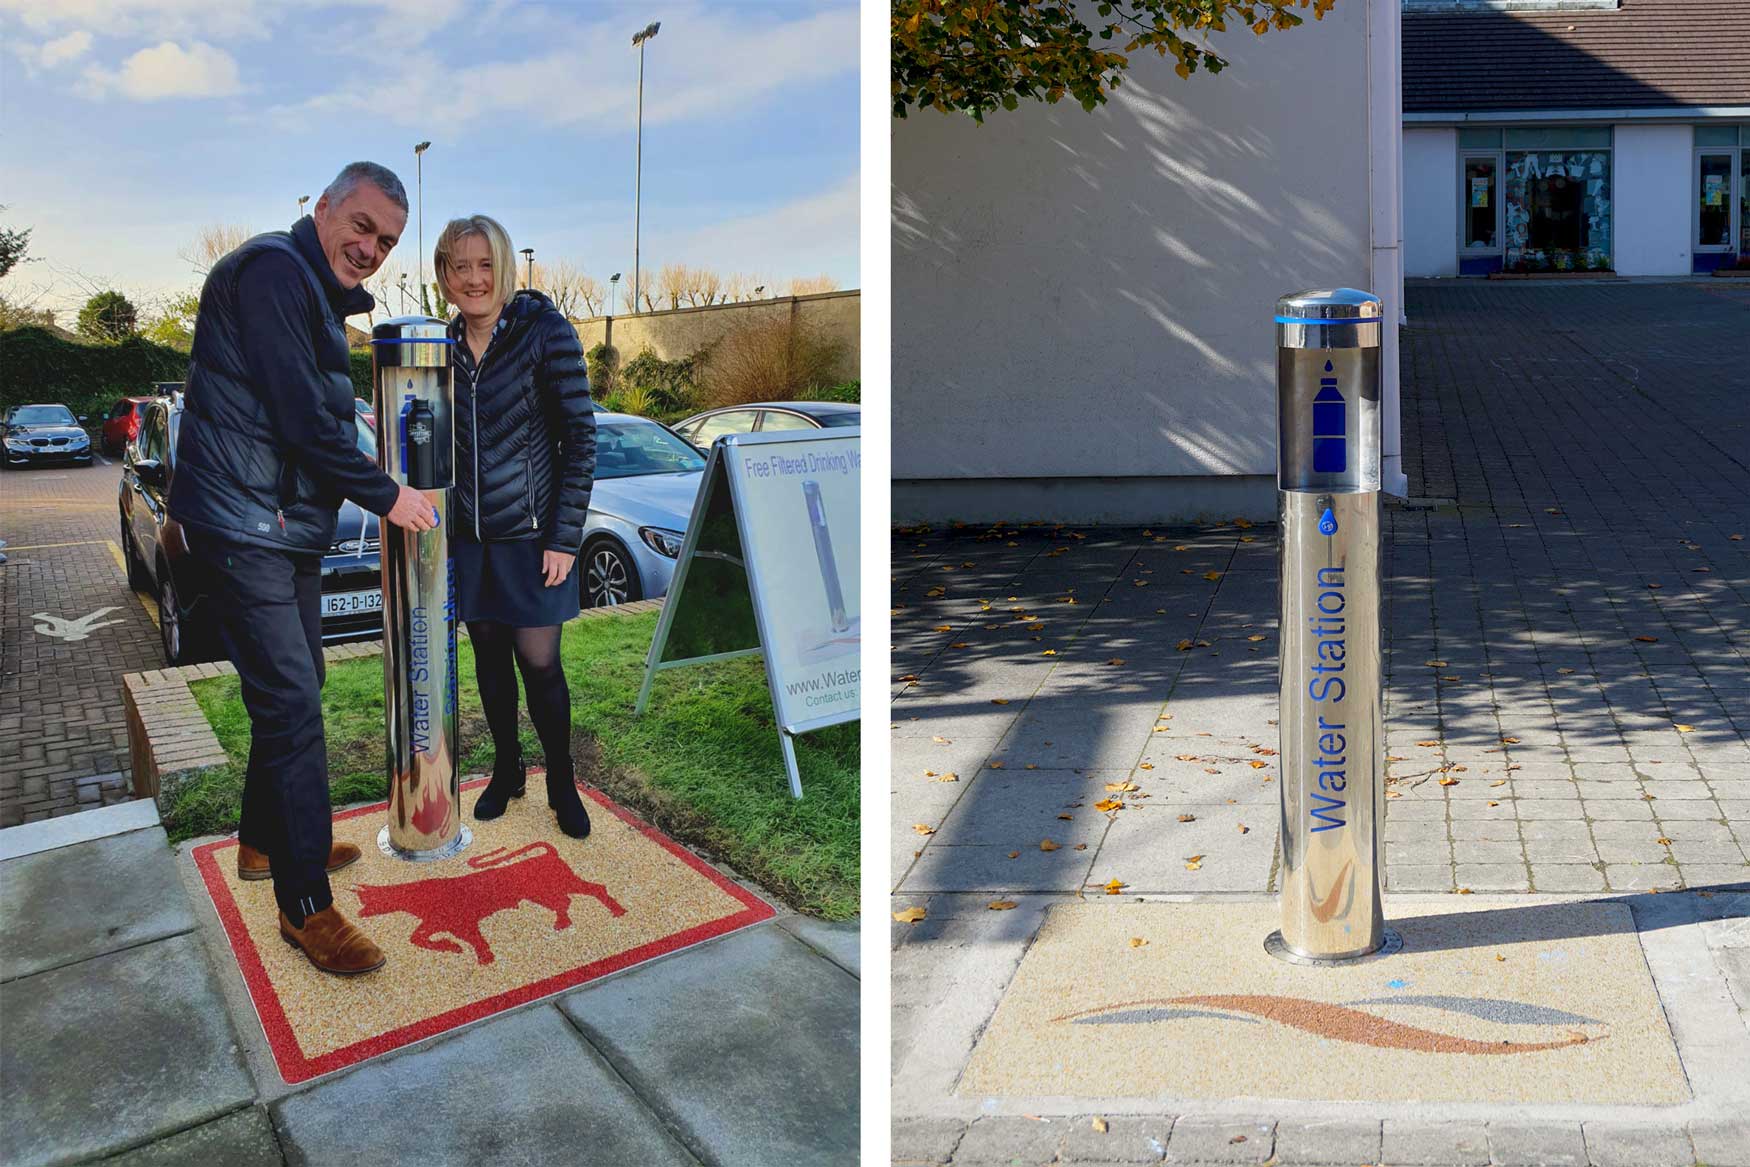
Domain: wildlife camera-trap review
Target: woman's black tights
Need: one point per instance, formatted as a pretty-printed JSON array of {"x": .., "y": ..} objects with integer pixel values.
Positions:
[{"x": 536, "y": 652}]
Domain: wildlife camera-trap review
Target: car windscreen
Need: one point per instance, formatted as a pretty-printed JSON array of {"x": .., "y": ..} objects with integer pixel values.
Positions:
[
  {"x": 367, "y": 439},
  {"x": 627, "y": 449},
  {"x": 43, "y": 415},
  {"x": 833, "y": 420}
]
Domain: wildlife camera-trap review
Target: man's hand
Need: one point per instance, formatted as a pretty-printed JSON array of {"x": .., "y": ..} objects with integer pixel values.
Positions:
[
  {"x": 412, "y": 511},
  {"x": 555, "y": 566}
]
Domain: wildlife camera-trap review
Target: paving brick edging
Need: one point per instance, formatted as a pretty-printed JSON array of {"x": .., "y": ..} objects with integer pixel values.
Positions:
[{"x": 169, "y": 739}]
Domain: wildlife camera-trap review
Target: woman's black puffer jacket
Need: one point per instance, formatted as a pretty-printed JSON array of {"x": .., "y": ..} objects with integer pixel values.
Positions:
[{"x": 525, "y": 430}]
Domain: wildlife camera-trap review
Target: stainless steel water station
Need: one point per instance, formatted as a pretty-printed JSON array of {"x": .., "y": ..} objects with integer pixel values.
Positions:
[
  {"x": 416, "y": 446},
  {"x": 1332, "y": 746}
]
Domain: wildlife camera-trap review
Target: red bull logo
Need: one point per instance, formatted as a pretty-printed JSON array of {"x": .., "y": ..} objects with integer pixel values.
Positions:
[{"x": 451, "y": 910}]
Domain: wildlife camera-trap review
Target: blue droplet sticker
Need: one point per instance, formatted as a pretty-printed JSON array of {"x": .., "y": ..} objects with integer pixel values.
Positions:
[{"x": 1327, "y": 523}]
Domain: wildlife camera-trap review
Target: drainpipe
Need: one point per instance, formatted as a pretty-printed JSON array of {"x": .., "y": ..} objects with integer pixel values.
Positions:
[{"x": 1385, "y": 219}]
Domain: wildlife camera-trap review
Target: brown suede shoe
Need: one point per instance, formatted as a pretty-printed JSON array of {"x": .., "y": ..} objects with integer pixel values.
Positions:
[
  {"x": 333, "y": 943},
  {"x": 252, "y": 864}
]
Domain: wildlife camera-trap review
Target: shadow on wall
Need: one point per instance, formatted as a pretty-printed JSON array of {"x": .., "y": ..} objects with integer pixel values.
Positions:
[{"x": 1109, "y": 277}]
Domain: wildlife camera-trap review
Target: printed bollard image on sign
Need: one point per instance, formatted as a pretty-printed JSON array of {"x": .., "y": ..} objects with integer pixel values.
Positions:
[
  {"x": 1332, "y": 747},
  {"x": 770, "y": 565}
]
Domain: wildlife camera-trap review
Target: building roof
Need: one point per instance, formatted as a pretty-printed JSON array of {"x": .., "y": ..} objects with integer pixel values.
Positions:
[{"x": 1641, "y": 55}]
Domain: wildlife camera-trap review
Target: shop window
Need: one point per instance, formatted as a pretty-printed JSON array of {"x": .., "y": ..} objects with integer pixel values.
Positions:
[
  {"x": 1744, "y": 202},
  {"x": 1716, "y": 135},
  {"x": 1473, "y": 138},
  {"x": 1714, "y": 206},
  {"x": 1559, "y": 138},
  {"x": 1480, "y": 205},
  {"x": 1558, "y": 210}
]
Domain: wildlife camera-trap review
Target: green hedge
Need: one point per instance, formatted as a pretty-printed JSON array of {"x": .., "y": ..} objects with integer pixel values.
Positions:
[{"x": 36, "y": 365}]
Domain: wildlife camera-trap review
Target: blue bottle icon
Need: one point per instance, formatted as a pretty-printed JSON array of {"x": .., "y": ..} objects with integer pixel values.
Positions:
[{"x": 1330, "y": 427}]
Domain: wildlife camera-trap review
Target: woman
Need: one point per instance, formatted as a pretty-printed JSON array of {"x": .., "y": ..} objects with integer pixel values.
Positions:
[{"x": 525, "y": 460}]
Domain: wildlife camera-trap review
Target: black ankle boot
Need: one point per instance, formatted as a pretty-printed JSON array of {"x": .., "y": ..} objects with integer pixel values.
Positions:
[
  {"x": 562, "y": 796},
  {"x": 509, "y": 780}
]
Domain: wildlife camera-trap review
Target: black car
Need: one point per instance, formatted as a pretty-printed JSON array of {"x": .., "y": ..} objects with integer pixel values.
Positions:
[
  {"x": 45, "y": 435},
  {"x": 158, "y": 560},
  {"x": 764, "y": 417}
]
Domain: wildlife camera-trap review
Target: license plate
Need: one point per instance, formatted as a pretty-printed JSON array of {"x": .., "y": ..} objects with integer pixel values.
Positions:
[{"x": 352, "y": 603}]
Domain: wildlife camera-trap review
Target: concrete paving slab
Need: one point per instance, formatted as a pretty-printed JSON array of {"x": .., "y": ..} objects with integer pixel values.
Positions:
[
  {"x": 840, "y": 941},
  {"x": 1532, "y": 1144},
  {"x": 66, "y": 830},
  {"x": 1151, "y": 851},
  {"x": 244, "y": 1138},
  {"x": 124, "y": 887},
  {"x": 520, "y": 1088},
  {"x": 1017, "y": 867},
  {"x": 749, "y": 1050},
  {"x": 1326, "y": 1141},
  {"x": 111, "y": 1052}
]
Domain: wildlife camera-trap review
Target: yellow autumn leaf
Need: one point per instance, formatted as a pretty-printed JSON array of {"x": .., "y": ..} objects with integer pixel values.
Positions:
[
  {"x": 1244, "y": 829},
  {"x": 1185, "y": 646},
  {"x": 1187, "y": 818},
  {"x": 1449, "y": 782},
  {"x": 1257, "y": 765},
  {"x": 1686, "y": 729},
  {"x": 910, "y": 915},
  {"x": 1000, "y": 905},
  {"x": 1108, "y": 804},
  {"x": 1193, "y": 863},
  {"x": 1137, "y": 942},
  {"x": 923, "y": 828},
  {"x": 949, "y": 778},
  {"x": 1122, "y": 787},
  {"x": 1146, "y": 766},
  {"x": 999, "y": 700},
  {"x": 1115, "y": 886},
  {"x": 1049, "y": 652},
  {"x": 1212, "y": 575},
  {"x": 1257, "y": 636},
  {"x": 1048, "y": 845},
  {"x": 996, "y": 765},
  {"x": 944, "y": 628}
]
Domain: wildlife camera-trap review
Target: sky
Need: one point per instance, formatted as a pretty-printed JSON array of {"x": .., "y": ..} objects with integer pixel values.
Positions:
[{"x": 127, "y": 126}]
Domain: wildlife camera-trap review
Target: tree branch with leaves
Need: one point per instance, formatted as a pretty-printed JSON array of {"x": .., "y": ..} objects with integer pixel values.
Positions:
[{"x": 976, "y": 56}]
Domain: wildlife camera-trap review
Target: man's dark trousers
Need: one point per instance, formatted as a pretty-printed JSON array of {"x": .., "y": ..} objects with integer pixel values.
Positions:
[{"x": 270, "y": 607}]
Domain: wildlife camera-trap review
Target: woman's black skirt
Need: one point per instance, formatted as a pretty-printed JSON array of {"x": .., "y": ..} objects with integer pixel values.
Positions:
[{"x": 504, "y": 583}]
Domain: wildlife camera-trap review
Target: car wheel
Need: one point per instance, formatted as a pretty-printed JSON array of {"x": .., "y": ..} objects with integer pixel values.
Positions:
[
  {"x": 171, "y": 630},
  {"x": 609, "y": 575},
  {"x": 137, "y": 577}
]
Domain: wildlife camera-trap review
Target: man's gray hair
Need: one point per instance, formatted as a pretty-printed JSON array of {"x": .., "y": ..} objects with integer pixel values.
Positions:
[{"x": 380, "y": 177}]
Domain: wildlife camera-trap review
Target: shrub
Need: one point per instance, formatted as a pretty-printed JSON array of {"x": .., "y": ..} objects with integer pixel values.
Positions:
[
  {"x": 672, "y": 386},
  {"x": 601, "y": 362},
  {"x": 846, "y": 392},
  {"x": 633, "y": 399},
  {"x": 772, "y": 359}
]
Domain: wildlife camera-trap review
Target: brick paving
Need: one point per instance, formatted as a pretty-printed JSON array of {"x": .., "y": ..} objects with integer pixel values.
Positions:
[{"x": 63, "y": 735}]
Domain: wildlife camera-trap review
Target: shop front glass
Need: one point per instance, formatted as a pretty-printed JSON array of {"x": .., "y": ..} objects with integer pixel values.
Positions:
[{"x": 1558, "y": 210}]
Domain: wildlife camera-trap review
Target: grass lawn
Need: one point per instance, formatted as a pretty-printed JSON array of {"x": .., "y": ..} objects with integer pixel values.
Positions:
[{"x": 703, "y": 763}]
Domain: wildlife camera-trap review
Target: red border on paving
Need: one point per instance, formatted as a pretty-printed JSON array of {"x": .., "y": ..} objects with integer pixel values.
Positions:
[{"x": 294, "y": 1067}]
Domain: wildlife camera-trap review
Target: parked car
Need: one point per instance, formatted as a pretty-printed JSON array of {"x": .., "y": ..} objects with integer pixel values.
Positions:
[
  {"x": 122, "y": 424},
  {"x": 766, "y": 416},
  {"x": 45, "y": 435},
  {"x": 645, "y": 481},
  {"x": 158, "y": 560}
]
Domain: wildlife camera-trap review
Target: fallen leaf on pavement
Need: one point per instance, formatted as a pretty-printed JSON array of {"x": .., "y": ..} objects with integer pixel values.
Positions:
[
  {"x": 1109, "y": 804},
  {"x": 1449, "y": 782},
  {"x": 1663, "y": 842},
  {"x": 1081, "y": 847},
  {"x": 997, "y": 765},
  {"x": 1050, "y": 652},
  {"x": 1686, "y": 729},
  {"x": 1257, "y": 636},
  {"x": 1048, "y": 845},
  {"x": 1193, "y": 862},
  {"x": 948, "y": 778},
  {"x": 1186, "y": 757},
  {"x": 1146, "y": 766},
  {"x": 1464, "y": 891},
  {"x": 1212, "y": 575},
  {"x": 999, "y": 700},
  {"x": 1257, "y": 765},
  {"x": 1000, "y": 905},
  {"x": 1099, "y": 1125},
  {"x": 1014, "y": 854},
  {"x": 1115, "y": 886},
  {"x": 1511, "y": 741},
  {"x": 923, "y": 828},
  {"x": 1137, "y": 942},
  {"x": 1425, "y": 744},
  {"x": 1117, "y": 660},
  {"x": 1187, "y": 818},
  {"x": 910, "y": 915},
  {"x": 1122, "y": 787},
  {"x": 1244, "y": 829},
  {"x": 1648, "y": 639},
  {"x": 959, "y": 644},
  {"x": 944, "y": 628}
]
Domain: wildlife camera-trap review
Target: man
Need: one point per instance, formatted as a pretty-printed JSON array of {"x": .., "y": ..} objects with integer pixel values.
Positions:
[{"x": 267, "y": 451}]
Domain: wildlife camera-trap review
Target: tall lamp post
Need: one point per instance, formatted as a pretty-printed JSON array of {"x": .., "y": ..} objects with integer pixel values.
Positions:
[
  {"x": 613, "y": 292},
  {"x": 419, "y": 182},
  {"x": 638, "y": 39},
  {"x": 302, "y": 199},
  {"x": 528, "y": 253}
]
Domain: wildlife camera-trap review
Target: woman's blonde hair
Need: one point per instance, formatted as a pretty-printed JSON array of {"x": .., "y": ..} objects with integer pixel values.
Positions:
[{"x": 497, "y": 243}]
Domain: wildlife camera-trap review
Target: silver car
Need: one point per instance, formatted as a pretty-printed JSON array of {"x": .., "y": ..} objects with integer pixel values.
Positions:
[{"x": 645, "y": 482}]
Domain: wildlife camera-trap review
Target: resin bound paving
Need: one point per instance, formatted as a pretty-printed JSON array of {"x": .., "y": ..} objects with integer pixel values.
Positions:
[{"x": 524, "y": 912}]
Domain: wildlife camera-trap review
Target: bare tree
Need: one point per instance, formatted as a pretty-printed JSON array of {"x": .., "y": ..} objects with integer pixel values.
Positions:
[
  {"x": 671, "y": 283},
  {"x": 813, "y": 285},
  {"x": 572, "y": 291},
  {"x": 211, "y": 244},
  {"x": 708, "y": 286}
]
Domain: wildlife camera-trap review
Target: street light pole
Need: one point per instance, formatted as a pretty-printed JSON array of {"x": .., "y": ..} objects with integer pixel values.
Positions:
[
  {"x": 302, "y": 199},
  {"x": 419, "y": 182},
  {"x": 638, "y": 40},
  {"x": 529, "y": 254},
  {"x": 613, "y": 292}
]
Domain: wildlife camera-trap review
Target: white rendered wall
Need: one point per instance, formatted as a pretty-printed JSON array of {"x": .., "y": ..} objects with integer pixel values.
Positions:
[
  {"x": 1089, "y": 296},
  {"x": 1431, "y": 202},
  {"x": 1653, "y": 192}
]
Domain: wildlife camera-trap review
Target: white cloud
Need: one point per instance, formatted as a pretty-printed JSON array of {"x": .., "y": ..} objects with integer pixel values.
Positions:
[
  {"x": 63, "y": 49},
  {"x": 818, "y": 233},
  {"x": 705, "y": 62},
  {"x": 168, "y": 70},
  {"x": 147, "y": 19}
]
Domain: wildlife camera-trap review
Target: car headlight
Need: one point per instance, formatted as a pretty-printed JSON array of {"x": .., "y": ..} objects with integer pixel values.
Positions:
[
  {"x": 662, "y": 540},
  {"x": 81, "y": 440},
  {"x": 18, "y": 444}
]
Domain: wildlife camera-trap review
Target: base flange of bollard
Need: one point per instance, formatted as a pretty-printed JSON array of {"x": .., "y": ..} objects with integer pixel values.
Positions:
[
  {"x": 448, "y": 851},
  {"x": 1273, "y": 944}
]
